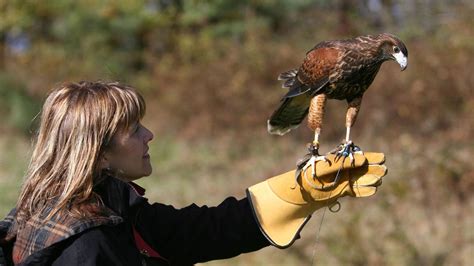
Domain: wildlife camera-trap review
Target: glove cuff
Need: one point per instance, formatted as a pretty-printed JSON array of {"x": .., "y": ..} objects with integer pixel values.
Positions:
[{"x": 280, "y": 217}]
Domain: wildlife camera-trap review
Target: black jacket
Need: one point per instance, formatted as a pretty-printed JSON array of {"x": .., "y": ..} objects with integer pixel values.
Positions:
[{"x": 150, "y": 234}]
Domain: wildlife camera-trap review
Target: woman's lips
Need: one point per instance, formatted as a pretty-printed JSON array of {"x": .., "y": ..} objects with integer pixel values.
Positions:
[{"x": 146, "y": 155}]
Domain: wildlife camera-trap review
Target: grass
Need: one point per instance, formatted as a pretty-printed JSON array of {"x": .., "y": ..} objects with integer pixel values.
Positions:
[{"x": 420, "y": 216}]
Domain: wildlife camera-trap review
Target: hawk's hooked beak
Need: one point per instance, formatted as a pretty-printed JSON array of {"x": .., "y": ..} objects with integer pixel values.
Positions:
[{"x": 401, "y": 59}]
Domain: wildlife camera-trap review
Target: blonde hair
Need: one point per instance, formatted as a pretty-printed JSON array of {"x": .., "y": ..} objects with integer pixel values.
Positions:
[{"x": 78, "y": 121}]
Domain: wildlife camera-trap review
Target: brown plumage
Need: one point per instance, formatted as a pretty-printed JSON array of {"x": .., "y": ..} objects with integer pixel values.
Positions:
[{"x": 342, "y": 70}]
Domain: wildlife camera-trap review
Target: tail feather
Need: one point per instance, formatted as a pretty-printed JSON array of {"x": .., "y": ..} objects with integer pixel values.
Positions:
[
  {"x": 289, "y": 115},
  {"x": 288, "y": 77},
  {"x": 288, "y": 83},
  {"x": 288, "y": 74}
]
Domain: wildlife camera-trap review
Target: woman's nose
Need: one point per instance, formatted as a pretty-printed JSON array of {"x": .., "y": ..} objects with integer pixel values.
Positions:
[{"x": 148, "y": 135}]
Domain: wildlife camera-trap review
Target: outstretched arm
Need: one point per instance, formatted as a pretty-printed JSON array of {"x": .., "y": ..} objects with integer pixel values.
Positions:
[{"x": 199, "y": 234}]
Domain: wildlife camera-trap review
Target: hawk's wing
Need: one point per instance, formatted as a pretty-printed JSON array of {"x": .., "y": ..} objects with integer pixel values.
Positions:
[
  {"x": 311, "y": 79},
  {"x": 319, "y": 64}
]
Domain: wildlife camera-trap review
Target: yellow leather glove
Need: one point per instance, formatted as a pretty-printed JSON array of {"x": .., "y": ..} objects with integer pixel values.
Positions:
[{"x": 282, "y": 205}]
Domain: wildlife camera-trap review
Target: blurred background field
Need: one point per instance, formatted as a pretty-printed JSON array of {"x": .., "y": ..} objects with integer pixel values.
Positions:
[{"x": 208, "y": 72}]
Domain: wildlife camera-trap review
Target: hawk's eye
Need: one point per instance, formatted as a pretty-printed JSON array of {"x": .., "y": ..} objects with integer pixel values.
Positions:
[{"x": 396, "y": 49}]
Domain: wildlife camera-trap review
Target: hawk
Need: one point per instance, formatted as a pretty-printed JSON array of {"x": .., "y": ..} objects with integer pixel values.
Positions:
[{"x": 339, "y": 69}]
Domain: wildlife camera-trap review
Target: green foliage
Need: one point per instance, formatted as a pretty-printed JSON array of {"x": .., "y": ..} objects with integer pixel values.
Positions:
[
  {"x": 233, "y": 18},
  {"x": 17, "y": 107}
]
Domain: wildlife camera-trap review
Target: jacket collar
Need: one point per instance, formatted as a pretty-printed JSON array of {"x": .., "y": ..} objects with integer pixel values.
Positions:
[
  {"x": 120, "y": 200},
  {"x": 121, "y": 197}
]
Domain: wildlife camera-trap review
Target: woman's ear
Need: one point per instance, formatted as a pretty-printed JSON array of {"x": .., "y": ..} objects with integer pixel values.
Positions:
[{"x": 104, "y": 161}]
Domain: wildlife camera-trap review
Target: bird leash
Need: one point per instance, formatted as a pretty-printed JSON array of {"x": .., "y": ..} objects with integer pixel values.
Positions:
[
  {"x": 300, "y": 168},
  {"x": 318, "y": 232}
]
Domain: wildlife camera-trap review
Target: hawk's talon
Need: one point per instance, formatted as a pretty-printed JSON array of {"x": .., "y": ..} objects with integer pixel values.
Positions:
[
  {"x": 357, "y": 149},
  {"x": 313, "y": 148},
  {"x": 347, "y": 149},
  {"x": 308, "y": 161},
  {"x": 312, "y": 163}
]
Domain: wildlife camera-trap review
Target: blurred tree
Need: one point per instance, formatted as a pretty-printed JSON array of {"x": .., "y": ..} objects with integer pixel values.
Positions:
[
  {"x": 43, "y": 42},
  {"x": 17, "y": 107}
]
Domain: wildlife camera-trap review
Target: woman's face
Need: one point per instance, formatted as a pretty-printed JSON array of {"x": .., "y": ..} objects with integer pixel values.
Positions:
[{"x": 128, "y": 157}]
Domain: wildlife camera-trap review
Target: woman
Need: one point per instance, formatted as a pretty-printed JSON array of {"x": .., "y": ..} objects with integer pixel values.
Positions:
[{"x": 79, "y": 206}]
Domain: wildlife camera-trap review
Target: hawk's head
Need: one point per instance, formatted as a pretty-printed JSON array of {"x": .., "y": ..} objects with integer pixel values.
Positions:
[{"x": 393, "y": 48}]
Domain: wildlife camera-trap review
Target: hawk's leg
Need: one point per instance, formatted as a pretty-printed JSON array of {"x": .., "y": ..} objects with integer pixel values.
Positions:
[
  {"x": 315, "y": 122},
  {"x": 309, "y": 161},
  {"x": 313, "y": 149},
  {"x": 347, "y": 147}
]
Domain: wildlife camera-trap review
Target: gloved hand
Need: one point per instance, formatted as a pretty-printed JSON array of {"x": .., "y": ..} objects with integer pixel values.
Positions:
[{"x": 283, "y": 204}]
